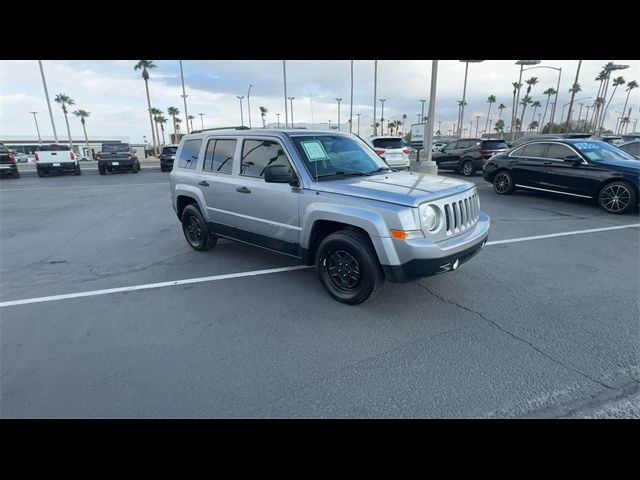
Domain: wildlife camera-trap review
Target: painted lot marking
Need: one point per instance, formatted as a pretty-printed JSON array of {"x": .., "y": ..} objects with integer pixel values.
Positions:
[
  {"x": 148, "y": 286},
  {"x": 83, "y": 186}
]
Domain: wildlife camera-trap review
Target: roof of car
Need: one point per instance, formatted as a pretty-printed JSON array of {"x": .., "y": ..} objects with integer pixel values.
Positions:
[{"x": 261, "y": 131}]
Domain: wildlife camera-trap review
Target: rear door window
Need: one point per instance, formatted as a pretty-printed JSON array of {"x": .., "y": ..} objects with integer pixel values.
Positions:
[
  {"x": 494, "y": 144},
  {"x": 534, "y": 150},
  {"x": 189, "y": 153},
  {"x": 219, "y": 155},
  {"x": 558, "y": 151}
]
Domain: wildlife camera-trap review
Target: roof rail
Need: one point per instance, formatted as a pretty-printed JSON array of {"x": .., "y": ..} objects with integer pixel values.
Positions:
[{"x": 241, "y": 127}]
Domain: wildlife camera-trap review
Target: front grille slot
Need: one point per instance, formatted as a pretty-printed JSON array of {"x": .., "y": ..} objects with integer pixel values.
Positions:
[{"x": 461, "y": 213}]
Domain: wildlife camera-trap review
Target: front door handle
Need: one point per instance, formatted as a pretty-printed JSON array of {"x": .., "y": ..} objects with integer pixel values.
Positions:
[
  {"x": 204, "y": 183},
  {"x": 243, "y": 190},
  {"x": 547, "y": 163}
]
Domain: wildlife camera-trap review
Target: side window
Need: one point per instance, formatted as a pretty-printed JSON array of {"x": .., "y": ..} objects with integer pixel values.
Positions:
[
  {"x": 452, "y": 145},
  {"x": 189, "y": 153},
  {"x": 559, "y": 151},
  {"x": 533, "y": 150},
  {"x": 219, "y": 155},
  {"x": 257, "y": 154}
]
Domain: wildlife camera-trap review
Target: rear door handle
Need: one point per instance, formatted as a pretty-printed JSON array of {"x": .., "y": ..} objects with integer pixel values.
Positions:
[
  {"x": 204, "y": 183},
  {"x": 243, "y": 190},
  {"x": 547, "y": 163}
]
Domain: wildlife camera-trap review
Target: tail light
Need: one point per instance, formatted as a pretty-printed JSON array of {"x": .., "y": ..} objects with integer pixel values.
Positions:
[
  {"x": 12, "y": 159},
  {"x": 73, "y": 156},
  {"x": 36, "y": 158},
  {"x": 405, "y": 151},
  {"x": 486, "y": 152},
  {"x": 97, "y": 156},
  {"x": 379, "y": 151}
]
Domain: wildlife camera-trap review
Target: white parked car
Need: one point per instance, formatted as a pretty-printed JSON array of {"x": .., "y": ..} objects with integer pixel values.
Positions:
[
  {"x": 393, "y": 150},
  {"x": 438, "y": 146}
]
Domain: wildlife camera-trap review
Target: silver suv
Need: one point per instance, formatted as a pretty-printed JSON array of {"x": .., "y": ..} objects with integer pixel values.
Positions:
[{"x": 327, "y": 199}]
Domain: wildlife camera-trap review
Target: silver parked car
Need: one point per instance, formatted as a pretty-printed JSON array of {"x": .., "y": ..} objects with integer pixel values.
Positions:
[{"x": 327, "y": 199}]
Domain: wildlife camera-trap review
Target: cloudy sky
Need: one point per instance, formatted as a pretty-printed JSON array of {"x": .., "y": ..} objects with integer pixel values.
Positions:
[{"x": 115, "y": 95}]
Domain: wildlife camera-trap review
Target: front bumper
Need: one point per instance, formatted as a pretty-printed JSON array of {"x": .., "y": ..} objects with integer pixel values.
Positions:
[{"x": 423, "y": 258}]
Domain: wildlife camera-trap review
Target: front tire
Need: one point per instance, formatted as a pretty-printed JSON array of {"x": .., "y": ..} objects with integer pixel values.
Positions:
[
  {"x": 16, "y": 174},
  {"x": 135, "y": 168},
  {"x": 195, "y": 229},
  {"x": 503, "y": 183},
  {"x": 467, "y": 168},
  {"x": 102, "y": 170},
  {"x": 617, "y": 197},
  {"x": 40, "y": 172},
  {"x": 348, "y": 267}
]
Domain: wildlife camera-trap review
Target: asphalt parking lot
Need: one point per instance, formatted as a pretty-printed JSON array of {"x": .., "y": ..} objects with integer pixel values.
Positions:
[{"x": 531, "y": 327}]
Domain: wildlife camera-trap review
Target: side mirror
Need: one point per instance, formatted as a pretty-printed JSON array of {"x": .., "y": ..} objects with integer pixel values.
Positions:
[
  {"x": 279, "y": 174},
  {"x": 572, "y": 159}
]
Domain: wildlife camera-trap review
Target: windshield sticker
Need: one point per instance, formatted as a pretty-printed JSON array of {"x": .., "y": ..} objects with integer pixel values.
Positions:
[
  {"x": 593, "y": 156},
  {"x": 314, "y": 150},
  {"x": 586, "y": 146}
]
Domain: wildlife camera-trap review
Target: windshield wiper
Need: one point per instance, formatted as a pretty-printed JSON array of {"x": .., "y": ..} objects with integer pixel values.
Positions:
[
  {"x": 345, "y": 173},
  {"x": 381, "y": 169}
]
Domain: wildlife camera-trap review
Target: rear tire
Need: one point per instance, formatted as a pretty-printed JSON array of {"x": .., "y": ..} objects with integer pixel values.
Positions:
[
  {"x": 467, "y": 168},
  {"x": 617, "y": 197},
  {"x": 503, "y": 183},
  {"x": 77, "y": 170},
  {"x": 40, "y": 172},
  {"x": 348, "y": 267},
  {"x": 195, "y": 229}
]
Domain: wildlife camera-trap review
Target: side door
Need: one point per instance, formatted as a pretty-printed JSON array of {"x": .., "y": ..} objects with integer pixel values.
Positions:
[
  {"x": 528, "y": 164},
  {"x": 578, "y": 178},
  {"x": 217, "y": 183},
  {"x": 265, "y": 214},
  {"x": 444, "y": 158}
]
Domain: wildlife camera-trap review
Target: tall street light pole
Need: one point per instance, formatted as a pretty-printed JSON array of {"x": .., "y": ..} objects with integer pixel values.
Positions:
[
  {"x": 284, "y": 73},
  {"x": 46, "y": 94},
  {"x": 464, "y": 90},
  {"x": 291, "y": 99},
  {"x": 432, "y": 108},
  {"x": 358, "y": 114},
  {"x": 37, "y": 128},
  {"x": 477, "y": 121},
  {"x": 382, "y": 100},
  {"x": 184, "y": 97},
  {"x": 375, "y": 95},
  {"x": 278, "y": 115},
  {"x": 514, "y": 109},
  {"x": 249, "y": 105},
  {"x": 240, "y": 97},
  {"x": 351, "y": 103},
  {"x": 338, "y": 100},
  {"x": 201, "y": 120}
]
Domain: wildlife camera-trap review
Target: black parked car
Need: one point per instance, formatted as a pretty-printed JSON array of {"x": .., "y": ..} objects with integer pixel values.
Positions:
[
  {"x": 167, "y": 156},
  {"x": 8, "y": 163},
  {"x": 632, "y": 147},
  {"x": 468, "y": 155},
  {"x": 547, "y": 136},
  {"x": 575, "y": 168}
]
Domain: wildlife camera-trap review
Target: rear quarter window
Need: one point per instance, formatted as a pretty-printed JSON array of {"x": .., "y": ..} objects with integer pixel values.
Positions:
[
  {"x": 188, "y": 157},
  {"x": 494, "y": 144}
]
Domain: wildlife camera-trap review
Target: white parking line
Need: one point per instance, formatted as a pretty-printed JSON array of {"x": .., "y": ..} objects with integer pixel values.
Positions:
[
  {"x": 562, "y": 234},
  {"x": 83, "y": 186},
  {"x": 148, "y": 286}
]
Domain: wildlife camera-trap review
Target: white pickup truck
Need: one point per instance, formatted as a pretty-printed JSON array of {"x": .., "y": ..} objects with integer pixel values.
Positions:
[{"x": 56, "y": 158}]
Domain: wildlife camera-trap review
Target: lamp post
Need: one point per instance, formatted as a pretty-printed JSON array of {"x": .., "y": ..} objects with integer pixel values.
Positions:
[
  {"x": 514, "y": 109},
  {"x": 46, "y": 94},
  {"x": 422, "y": 111},
  {"x": 284, "y": 73},
  {"x": 358, "y": 115},
  {"x": 375, "y": 94},
  {"x": 477, "y": 121},
  {"x": 382, "y": 100},
  {"x": 278, "y": 115},
  {"x": 470, "y": 128},
  {"x": 201, "y": 120},
  {"x": 249, "y": 104},
  {"x": 291, "y": 99},
  {"x": 329, "y": 124},
  {"x": 37, "y": 128},
  {"x": 338, "y": 100},
  {"x": 464, "y": 89},
  {"x": 240, "y": 97},
  {"x": 569, "y": 113},
  {"x": 184, "y": 97}
]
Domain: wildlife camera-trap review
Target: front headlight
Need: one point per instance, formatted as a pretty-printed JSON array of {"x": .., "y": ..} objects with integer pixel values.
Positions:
[{"x": 429, "y": 217}]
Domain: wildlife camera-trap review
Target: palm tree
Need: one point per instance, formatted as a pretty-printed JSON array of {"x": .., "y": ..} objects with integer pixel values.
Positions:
[
  {"x": 177, "y": 121},
  {"x": 533, "y": 126},
  {"x": 499, "y": 126},
  {"x": 263, "y": 112},
  {"x": 516, "y": 89},
  {"x": 491, "y": 100},
  {"x": 145, "y": 66},
  {"x": 625, "y": 121},
  {"x": 64, "y": 100},
  {"x": 501, "y": 107},
  {"x": 156, "y": 112},
  {"x": 597, "y": 104},
  {"x": 548, "y": 92},
  {"x": 162, "y": 120},
  {"x": 535, "y": 106},
  {"x": 616, "y": 83},
  {"x": 630, "y": 86},
  {"x": 526, "y": 100},
  {"x": 174, "y": 112},
  {"x": 82, "y": 114},
  {"x": 190, "y": 118}
]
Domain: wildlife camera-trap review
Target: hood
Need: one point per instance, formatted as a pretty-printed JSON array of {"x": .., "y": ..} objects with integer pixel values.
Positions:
[
  {"x": 627, "y": 166},
  {"x": 402, "y": 188}
]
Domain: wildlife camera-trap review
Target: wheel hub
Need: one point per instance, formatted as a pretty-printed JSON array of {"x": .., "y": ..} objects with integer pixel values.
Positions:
[
  {"x": 343, "y": 270},
  {"x": 194, "y": 230}
]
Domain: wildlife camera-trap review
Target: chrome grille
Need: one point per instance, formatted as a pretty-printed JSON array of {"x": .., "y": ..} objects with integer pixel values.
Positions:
[{"x": 461, "y": 213}]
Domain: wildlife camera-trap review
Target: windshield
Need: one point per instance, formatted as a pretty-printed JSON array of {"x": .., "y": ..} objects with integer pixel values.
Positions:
[
  {"x": 333, "y": 155},
  {"x": 601, "y": 151},
  {"x": 115, "y": 147},
  {"x": 169, "y": 150},
  {"x": 53, "y": 148}
]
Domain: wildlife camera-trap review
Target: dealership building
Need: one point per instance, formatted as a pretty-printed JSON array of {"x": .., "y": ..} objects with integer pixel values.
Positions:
[{"x": 28, "y": 145}]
